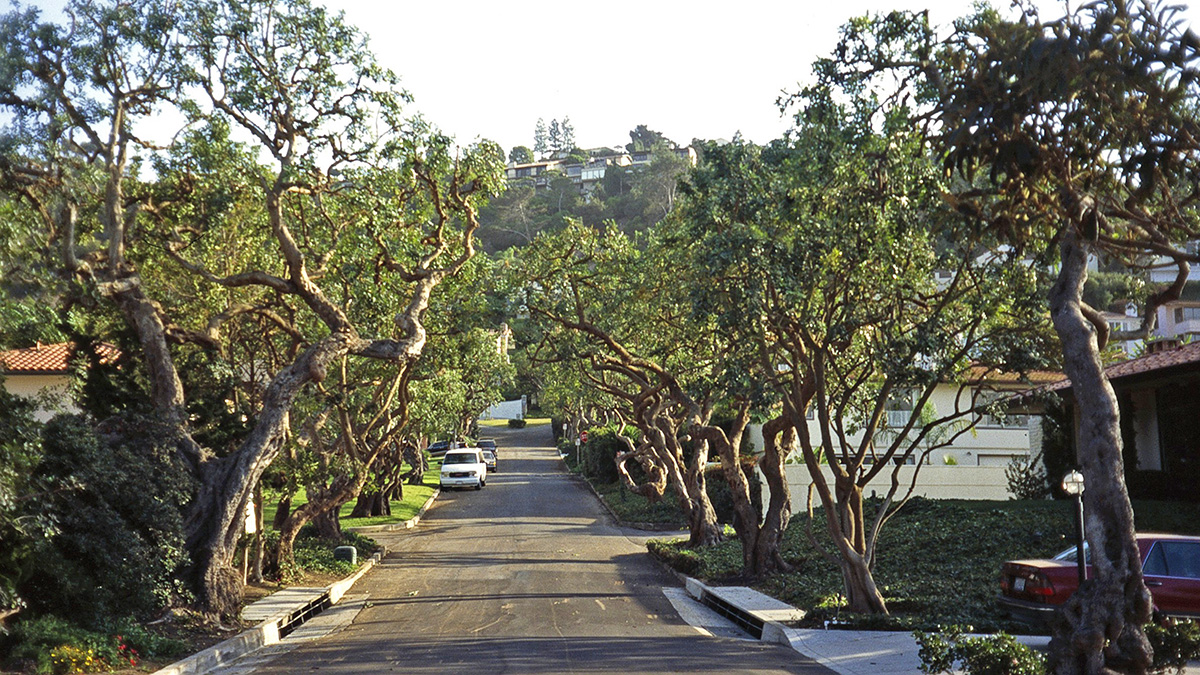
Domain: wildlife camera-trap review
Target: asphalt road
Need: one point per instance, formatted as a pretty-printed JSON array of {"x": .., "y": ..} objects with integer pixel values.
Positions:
[{"x": 529, "y": 575}]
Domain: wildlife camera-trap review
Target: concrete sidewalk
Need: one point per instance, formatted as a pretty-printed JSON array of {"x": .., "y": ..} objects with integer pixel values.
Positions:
[
  {"x": 847, "y": 652},
  {"x": 858, "y": 652},
  {"x": 862, "y": 652}
]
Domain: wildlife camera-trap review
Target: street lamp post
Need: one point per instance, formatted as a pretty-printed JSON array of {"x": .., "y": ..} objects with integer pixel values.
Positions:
[{"x": 1073, "y": 485}]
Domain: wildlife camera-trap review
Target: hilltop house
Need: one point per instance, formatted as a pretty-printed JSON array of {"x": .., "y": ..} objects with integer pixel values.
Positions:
[{"x": 587, "y": 175}]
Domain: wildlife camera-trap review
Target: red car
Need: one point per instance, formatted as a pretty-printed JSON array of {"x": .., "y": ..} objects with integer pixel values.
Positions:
[{"x": 1030, "y": 590}]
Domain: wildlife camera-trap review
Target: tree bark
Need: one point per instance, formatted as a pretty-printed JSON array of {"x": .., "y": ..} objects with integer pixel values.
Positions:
[
  {"x": 320, "y": 502},
  {"x": 761, "y": 543},
  {"x": 769, "y": 554},
  {"x": 702, "y": 517},
  {"x": 1102, "y": 626},
  {"x": 282, "y": 511}
]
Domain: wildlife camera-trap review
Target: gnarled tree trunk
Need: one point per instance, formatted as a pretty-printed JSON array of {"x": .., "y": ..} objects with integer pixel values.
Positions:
[
  {"x": 769, "y": 553},
  {"x": 1101, "y": 626}
]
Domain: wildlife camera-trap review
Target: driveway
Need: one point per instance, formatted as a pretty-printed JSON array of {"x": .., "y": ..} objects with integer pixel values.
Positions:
[{"x": 529, "y": 575}]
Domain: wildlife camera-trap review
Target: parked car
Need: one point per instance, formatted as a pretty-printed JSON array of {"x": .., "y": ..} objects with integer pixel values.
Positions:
[
  {"x": 1031, "y": 590},
  {"x": 463, "y": 467},
  {"x": 489, "y": 458},
  {"x": 488, "y": 444},
  {"x": 438, "y": 447}
]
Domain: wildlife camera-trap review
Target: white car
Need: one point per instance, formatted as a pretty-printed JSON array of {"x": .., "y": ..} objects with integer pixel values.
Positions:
[{"x": 463, "y": 468}]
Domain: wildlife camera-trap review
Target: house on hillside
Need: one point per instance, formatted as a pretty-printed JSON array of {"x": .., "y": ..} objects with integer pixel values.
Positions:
[
  {"x": 973, "y": 466},
  {"x": 1163, "y": 272},
  {"x": 1160, "y": 420},
  {"x": 538, "y": 172},
  {"x": 41, "y": 372},
  {"x": 1179, "y": 320},
  {"x": 1124, "y": 317},
  {"x": 587, "y": 175}
]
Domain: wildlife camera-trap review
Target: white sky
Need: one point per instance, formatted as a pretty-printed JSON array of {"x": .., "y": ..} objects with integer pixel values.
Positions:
[{"x": 698, "y": 69}]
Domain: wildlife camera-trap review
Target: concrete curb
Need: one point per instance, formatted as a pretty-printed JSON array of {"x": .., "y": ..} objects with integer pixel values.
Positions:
[
  {"x": 394, "y": 527},
  {"x": 647, "y": 527},
  {"x": 769, "y": 612},
  {"x": 265, "y": 633}
]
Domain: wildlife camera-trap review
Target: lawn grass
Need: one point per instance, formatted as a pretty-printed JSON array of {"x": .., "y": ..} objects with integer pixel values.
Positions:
[
  {"x": 937, "y": 563},
  {"x": 404, "y": 509},
  {"x": 634, "y": 508}
]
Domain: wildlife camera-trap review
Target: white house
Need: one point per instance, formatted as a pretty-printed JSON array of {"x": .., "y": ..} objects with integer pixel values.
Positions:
[
  {"x": 972, "y": 467},
  {"x": 41, "y": 373},
  {"x": 1179, "y": 320}
]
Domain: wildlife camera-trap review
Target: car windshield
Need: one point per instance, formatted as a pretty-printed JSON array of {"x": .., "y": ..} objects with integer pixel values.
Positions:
[
  {"x": 487, "y": 444},
  {"x": 487, "y": 455},
  {"x": 460, "y": 458}
]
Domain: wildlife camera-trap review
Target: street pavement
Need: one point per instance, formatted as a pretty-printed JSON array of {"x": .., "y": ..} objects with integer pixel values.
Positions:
[{"x": 528, "y": 575}]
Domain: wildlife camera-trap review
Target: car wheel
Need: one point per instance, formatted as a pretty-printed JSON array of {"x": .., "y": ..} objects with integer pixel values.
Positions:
[{"x": 479, "y": 485}]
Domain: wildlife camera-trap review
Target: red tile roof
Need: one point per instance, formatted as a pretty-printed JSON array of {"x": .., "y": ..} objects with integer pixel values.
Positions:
[
  {"x": 1182, "y": 356},
  {"x": 983, "y": 375},
  {"x": 46, "y": 359}
]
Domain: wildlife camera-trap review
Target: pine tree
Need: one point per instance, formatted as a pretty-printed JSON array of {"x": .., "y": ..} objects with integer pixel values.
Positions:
[
  {"x": 568, "y": 135},
  {"x": 540, "y": 145},
  {"x": 555, "y": 136}
]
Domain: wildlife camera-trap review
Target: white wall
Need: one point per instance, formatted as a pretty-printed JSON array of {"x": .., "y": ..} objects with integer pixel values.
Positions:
[
  {"x": 49, "y": 390},
  {"x": 934, "y": 482},
  {"x": 506, "y": 410},
  {"x": 970, "y": 468}
]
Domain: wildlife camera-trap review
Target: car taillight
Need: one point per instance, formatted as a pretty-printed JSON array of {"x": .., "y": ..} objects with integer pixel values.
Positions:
[{"x": 1038, "y": 584}]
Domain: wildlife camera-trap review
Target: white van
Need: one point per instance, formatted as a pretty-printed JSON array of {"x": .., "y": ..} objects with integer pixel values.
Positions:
[{"x": 463, "y": 468}]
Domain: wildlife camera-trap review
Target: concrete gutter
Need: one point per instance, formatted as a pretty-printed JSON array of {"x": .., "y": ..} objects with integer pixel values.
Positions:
[
  {"x": 760, "y": 615},
  {"x": 291, "y": 608},
  {"x": 308, "y": 603}
]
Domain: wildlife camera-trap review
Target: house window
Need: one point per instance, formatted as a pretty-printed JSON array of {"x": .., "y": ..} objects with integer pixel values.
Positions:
[
  {"x": 899, "y": 409},
  {"x": 997, "y": 421},
  {"x": 907, "y": 460},
  {"x": 1187, "y": 314}
]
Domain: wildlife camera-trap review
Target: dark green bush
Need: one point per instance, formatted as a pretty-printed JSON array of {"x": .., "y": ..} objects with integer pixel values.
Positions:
[
  {"x": 516, "y": 424},
  {"x": 722, "y": 497},
  {"x": 120, "y": 521},
  {"x": 22, "y": 525},
  {"x": 1175, "y": 643},
  {"x": 34, "y": 640},
  {"x": 998, "y": 654},
  {"x": 596, "y": 456}
]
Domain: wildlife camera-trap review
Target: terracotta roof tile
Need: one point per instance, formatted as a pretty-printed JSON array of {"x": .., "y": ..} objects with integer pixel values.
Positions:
[
  {"x": 46, "y": 359},
  {"x": 981, "y": 374},
  {"x": 1184, "y": 355}
]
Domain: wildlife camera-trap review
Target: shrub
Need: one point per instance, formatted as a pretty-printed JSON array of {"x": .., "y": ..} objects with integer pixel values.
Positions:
[
  {"x": 596, "y": 456},
  {"x": 71, "y": 659},
  {"x": 1027, "y": 478},
  {"x": 56, "y": 645},
  {"x": 722, "y": 497},
  {"x": 22, "y": 525},
  {"x": 1175, "y": 643},
  {"x": 516, "y": 424},
  {"x": 119, "y": 541},
  {"x": 998, "y": 654}
]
